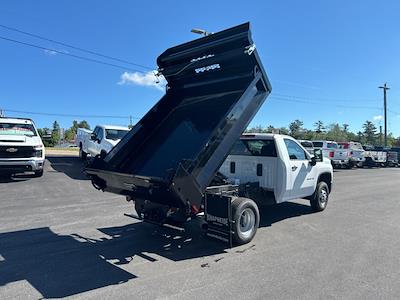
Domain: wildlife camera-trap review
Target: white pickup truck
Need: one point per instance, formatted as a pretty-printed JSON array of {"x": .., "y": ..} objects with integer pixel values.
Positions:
[
  {"x": 21, "y": 148},
  {"x": 99, "y": 141},
  {"x": 355, "y": 152},
  {"x": 279, "y": 169},
  {"x": 330, "y": 149}
]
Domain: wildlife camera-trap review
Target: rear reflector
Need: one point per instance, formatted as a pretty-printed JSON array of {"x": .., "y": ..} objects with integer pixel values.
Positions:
[{"x": 331, "y": 154}]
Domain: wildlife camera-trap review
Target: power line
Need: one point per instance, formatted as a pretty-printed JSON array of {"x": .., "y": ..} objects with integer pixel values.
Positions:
[
  {"x": 69, "y": 54},
  {"x": 323, "y": 99},
  {"x": 69, "y": 115},
  {"x": 75, "y": 47},
  {"x": 322, "y": 103}
]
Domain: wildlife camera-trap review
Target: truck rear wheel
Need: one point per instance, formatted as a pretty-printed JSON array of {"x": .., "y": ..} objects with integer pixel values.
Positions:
[
  {"x": 246, "y": 219},
  {"x": 319, "y": 200}
]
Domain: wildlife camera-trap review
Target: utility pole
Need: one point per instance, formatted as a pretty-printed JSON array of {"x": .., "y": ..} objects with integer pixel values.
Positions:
[
  {"x": 130, "y": 122},
  {"x": 380, "y": 135},
  {"x": 385, "y": 88}
]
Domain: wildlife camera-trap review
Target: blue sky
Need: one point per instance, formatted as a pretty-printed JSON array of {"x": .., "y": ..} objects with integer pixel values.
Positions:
[{"x": 325, "y": 59}]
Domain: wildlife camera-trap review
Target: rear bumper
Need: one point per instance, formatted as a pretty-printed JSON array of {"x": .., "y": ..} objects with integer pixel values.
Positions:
[
  {"x": 357, "y": 159},
  {"x": 26, "y": 165},
  {"x": 339, "y": 162}
]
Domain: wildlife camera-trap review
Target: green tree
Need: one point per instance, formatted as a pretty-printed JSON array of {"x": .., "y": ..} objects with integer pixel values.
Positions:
[
  {"x": 55, "y": 133},
  {"x": 296, "y": 128},
  {"x": 70, "y": 133},
  {"x": 84, "y": 124},
  {"x": 319, "y": 126},
  {"x": 369, "y": 132}
]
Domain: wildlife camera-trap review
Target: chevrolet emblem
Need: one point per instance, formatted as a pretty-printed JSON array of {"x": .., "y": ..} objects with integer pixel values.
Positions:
[{"x": 11, "y": 150}]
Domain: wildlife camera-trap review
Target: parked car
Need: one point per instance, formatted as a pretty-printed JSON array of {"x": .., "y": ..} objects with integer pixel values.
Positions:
[
  {"x": 356, "y": 152},
  {"x": 99, "y": 141},
  {"x": 21, "y": 148},
  {"x": 330, "y": 149},
  {"x": 308, "y": 145}
]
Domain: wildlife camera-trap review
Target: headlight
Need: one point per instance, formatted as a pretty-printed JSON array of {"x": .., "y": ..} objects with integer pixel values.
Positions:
[{"x": 38, "y": 150}]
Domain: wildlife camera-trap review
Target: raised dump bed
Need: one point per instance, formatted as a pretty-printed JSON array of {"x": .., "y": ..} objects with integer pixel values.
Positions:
[{"x": 216, "y": 84}]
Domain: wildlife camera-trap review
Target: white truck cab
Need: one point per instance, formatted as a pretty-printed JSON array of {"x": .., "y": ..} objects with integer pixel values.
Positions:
[
  {"x": 101, "y": 140},
  {"x": 281, "y": 168},
  {"x": 21, "y": 148}
]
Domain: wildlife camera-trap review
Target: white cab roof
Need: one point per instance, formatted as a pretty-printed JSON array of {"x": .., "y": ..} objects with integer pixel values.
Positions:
[
  {"x": 113, "y": 127},
  {"x": 16, "y": 121}
]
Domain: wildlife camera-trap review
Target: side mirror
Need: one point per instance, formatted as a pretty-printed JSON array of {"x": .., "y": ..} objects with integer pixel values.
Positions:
[
  {"x": 93, "y": 137},
  {"x": 313, "y": 161},
  {"x": 318, "y": 157}
]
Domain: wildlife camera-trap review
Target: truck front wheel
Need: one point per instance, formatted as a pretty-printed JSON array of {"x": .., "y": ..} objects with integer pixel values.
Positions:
[
  {"x": 319, "y": 199},
  {"x": 246, "y": 219}
]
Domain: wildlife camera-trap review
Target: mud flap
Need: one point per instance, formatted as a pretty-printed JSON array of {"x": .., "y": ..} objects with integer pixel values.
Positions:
[{"x": 218, "y": 215}]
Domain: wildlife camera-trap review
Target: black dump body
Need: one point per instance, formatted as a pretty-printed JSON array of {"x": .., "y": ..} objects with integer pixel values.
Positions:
[{"x": 216, "y": 84}]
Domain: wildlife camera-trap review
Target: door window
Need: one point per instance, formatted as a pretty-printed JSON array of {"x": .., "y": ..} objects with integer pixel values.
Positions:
[{"x": 295, "y": 151}]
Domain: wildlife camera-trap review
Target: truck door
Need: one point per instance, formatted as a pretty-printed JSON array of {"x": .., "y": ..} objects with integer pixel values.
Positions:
[{"x": 300, "y": 173}]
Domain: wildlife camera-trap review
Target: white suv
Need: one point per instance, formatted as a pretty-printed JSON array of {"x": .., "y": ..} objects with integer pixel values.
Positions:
[{"x": 21, "y": 148}]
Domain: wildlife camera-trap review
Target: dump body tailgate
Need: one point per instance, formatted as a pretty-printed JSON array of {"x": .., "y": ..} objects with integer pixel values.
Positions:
[{"x": 216, "y": 84}]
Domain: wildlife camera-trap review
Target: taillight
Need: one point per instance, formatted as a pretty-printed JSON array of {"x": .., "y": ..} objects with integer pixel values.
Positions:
[{"x": 331, "y": 154}]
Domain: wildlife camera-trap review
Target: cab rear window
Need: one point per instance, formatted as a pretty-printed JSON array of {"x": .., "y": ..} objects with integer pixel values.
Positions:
[
  {"x": 254, "y": 148},
  {"x": 332, "y": 145},
  {"x": 307, "y": 144},
  {"x": 318, "y": 144}
]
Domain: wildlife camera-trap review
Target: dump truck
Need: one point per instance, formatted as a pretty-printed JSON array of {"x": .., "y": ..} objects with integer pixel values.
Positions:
[{"x": 168, "y": 164}]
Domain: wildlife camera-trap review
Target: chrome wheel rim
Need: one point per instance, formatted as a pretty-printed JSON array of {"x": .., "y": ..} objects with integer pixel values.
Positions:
[
  {"x": 246, "y": 222},
  {"x": 323, "y": 197}
]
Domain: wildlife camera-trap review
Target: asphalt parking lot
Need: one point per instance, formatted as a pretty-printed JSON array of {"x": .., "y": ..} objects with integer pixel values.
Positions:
[{"x": 59, "y": 237}]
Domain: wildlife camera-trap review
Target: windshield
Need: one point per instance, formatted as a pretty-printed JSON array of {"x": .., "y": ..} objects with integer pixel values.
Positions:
[
  {"x": 343, "y": 146},
  {"x": 115, "y": 134},
  {"x": 17, "y": 129}
]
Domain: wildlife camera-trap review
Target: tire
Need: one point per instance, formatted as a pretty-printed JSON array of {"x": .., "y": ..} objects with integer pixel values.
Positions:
[
  {"x": 246, "y": 219},
  {"x": 82, "y": 154},
  {"x": 319, "y": 200},
  {"x": 38, "y": 173}
]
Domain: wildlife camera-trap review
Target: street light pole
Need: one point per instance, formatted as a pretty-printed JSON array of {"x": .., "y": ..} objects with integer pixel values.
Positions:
[{"x": 385, "y": 88}]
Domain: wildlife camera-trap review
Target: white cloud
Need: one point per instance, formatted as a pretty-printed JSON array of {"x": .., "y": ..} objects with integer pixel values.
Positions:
[
  {"x": 50, "y": 52},
  {"x": 378, "y": 118},
  {"x": 144, "y": 79}
]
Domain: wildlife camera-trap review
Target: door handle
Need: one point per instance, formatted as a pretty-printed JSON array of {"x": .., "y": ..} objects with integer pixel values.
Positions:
[{"x": 294, "y": 168}]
